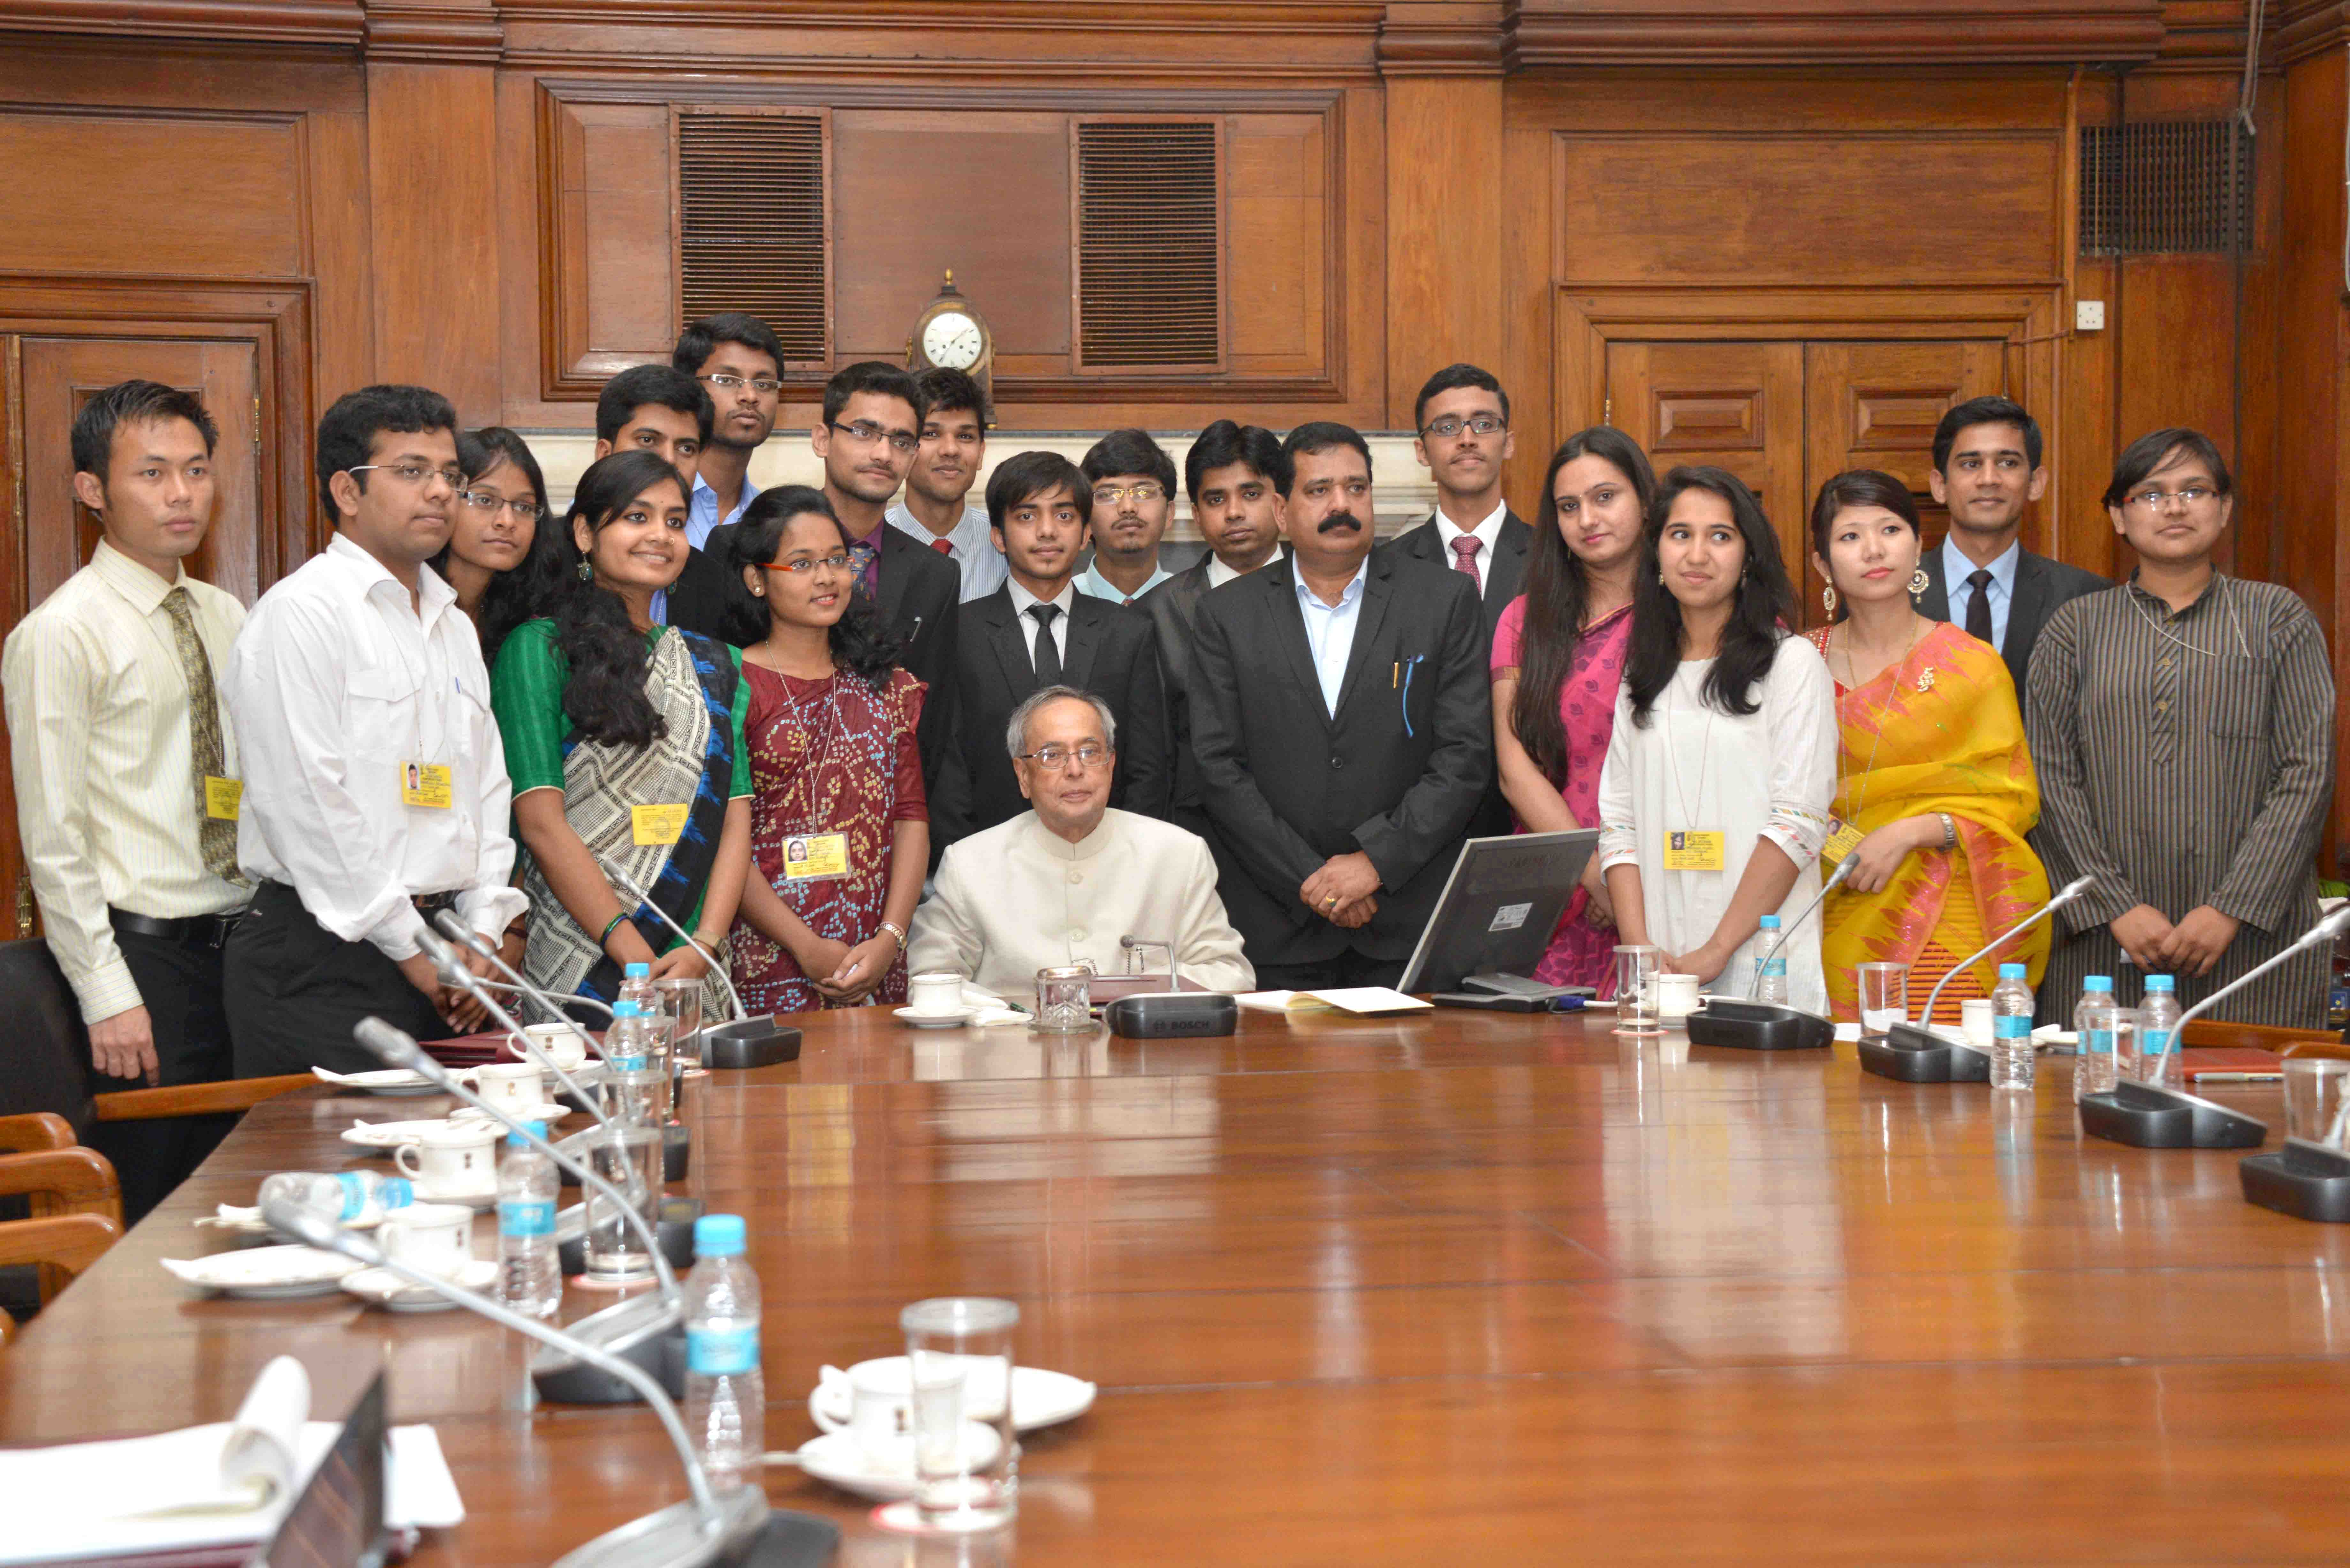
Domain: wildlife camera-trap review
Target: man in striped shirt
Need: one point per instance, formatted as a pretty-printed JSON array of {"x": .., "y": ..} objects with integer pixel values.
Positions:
[{"x": 126, "y": 775}]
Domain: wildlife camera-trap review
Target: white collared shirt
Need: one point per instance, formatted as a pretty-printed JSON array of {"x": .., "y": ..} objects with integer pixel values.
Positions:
[
  {"x": 972, "y": 547},
  {"x": 1330, "y": 632},
  {"x": 1957, "y": 569},
  {"x": 1022, "y": 598},
  {"x": 337, "y": 684},
  {"x": 1487, "y": 534},
  {"x": 107, "y": 807},
  {"x": 703, "y": 514},
  {"x": 1220, "y": 573},
  {"x": 1094, "y": 585}
]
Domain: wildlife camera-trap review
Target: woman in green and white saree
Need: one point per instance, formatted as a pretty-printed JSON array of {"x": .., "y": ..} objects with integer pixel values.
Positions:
[{"x": 625, "y": 740}]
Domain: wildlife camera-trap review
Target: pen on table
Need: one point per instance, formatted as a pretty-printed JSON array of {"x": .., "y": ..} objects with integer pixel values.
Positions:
[{"x": 2239, "y": 1077}]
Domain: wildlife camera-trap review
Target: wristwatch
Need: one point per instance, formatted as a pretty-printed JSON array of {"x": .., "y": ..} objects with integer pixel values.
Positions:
[{"x": 896, "y": 932}]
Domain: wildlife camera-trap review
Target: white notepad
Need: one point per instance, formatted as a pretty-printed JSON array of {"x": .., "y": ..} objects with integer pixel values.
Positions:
[{"x": 1343, "y": 999}]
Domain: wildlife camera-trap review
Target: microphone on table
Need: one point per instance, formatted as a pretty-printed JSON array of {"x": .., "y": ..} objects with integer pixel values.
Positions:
[
  {"x": 453, "y": 926},
  {"x": 702, "y": 1530},
  {"x": 1844, "y": 869},
  {"x": 1914, "y": 1054},
  {"x": 746, "y": 1041},
  {"x": 644, "y": 901},
  {"x": 2069, "y": 893},
  {"x": 2146, "y": 1115},
  {"x": 453, "y": 972}
]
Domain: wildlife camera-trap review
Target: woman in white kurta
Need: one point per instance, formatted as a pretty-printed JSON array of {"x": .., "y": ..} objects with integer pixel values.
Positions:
[{"x": 1709, "y": 816}]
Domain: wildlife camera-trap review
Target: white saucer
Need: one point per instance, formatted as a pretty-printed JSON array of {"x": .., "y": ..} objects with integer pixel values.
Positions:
[
  {"x": 547, "y": 1111},
  {"x": 399, "y": 1083},
  {"x": 956, "y": 1020},
  {"x": 1039, "y": 1399},
  {"x": 240, "y": 1221},
  {"x": 838, "y": 1457},
  {"x": 381, "y": 1287},
  {"x": 266, "y": 1273}
]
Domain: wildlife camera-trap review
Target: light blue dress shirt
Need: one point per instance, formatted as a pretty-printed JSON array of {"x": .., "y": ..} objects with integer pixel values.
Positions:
[
  {"x": 702, "y": 515},
  {"x": 1330, "y": 633},
  {"x": 972, "y": 547},
  {"x": 1094, "y": 585},
  {"x": 1957, "y": 569}
]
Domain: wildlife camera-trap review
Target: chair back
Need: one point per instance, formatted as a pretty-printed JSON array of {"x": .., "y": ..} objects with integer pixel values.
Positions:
[{"x": 44, "y": 1049}]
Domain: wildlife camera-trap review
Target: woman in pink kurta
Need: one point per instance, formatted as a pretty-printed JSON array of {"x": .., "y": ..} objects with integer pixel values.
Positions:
[{"x": 1558, "y": 659}]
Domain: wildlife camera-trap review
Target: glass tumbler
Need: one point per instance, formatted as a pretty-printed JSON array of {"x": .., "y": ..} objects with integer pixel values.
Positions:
[
  {"x": 2314, "y": 1091},
  {"x": 630, "y": 1157},
  {"x": 1883, "y": 998},
  {"x": 1065, "y": 998},
  {"x": 966, "y": 1452},
  {"x": 1636, "y": 988},
  {"x": 678, "y": 1002}
]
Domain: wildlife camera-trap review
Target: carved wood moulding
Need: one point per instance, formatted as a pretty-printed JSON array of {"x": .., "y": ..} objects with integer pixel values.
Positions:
[{"x": 1554, "y": 33}]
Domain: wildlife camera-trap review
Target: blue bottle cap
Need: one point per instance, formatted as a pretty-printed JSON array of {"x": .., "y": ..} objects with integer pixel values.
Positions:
[
  {"x": 515, "y": 1140},
  {"x": 1770, "y": 922},
  {"x": 2159, "y": 983},
  {"x": 2011, "y": 972},
  {"x": 718, "y": 1236},
  {"x": 624, "y": 1009},
  {"x": 2099, "y": 983},
  {"x": 395, "y": 1192},
  {"x": 635, "y": 970}
]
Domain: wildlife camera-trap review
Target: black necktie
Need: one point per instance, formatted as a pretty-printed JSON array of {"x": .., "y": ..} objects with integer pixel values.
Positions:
[
  {"x": 1979, "y": 608},
  {"x": 1048, "y": 657}
]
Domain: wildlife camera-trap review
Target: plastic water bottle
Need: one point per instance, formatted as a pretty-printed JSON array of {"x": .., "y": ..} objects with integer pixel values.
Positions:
[
  {"x": 634, "y": 1089},
  {"x": 342, "y": 1196},
  {"x": 2097, "y": 991},
  {"x": 637, "y": 986},
  {"x": 725, "y": 1402},
  {"x": 2158, "y": 1058},
  {"x": 2096, "y": 1069},
  {"x": 2011, "y": 1062},
  {"x": 1772, "y": 986},
  {"x": 530, "y": 1275}
]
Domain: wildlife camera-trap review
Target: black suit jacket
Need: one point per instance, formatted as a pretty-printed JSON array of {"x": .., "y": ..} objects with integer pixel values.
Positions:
[
  {"x": 1173, "y": 607},
  {"x": 1109, "y": 652},
  {"x": 2040, "y": 584},
  {"x": 697, "y": 600},
  {"x": 1505, "y": 579},
  {"x": 1395, "y": 774}
]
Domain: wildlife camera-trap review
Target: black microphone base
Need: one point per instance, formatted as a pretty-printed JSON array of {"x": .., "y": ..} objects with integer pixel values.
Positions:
[
  {"x": 1916, "y": 1055},
  {"x": 2143, "y": 1116},
  {"x": 749, "y": 1042},
  {"x": 2307, "y": 1180},
  {"x": 1758, "y": 1026},
  {"x": 749, "y": 1535},
  {"x": 643, "y": 1332},
  {"x": 674, "y": 1228}
]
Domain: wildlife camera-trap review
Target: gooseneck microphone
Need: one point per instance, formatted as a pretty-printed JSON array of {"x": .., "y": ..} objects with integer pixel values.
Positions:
[
  {"x": 644, "y": 901},
  {"x": 453, "y": 926},
  {"x": 455, "y": 972},
  {"x": 1844, "y": 869},
  {"x": 701, "y": 1530},
  {"x": 2070, "y": 892}
]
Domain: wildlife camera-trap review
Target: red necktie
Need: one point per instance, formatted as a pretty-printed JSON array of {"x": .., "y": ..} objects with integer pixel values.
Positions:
[
  {"x": 1464, "y": 558},
  {"x": 944, "y": 547}
]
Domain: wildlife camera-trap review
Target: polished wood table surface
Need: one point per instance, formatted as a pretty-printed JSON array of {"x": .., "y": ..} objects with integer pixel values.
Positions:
[{"x": 1461, "y": 1287}]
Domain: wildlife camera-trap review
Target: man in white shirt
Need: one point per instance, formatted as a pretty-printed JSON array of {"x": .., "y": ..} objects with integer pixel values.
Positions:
[
  {"x": 126, "y": 772},
  {"x": 1062, "y": 882},
  {"x": 935, "y": 509},
  {"x": 377, "y": 792},
  {"x": 1133, "y": 483}
]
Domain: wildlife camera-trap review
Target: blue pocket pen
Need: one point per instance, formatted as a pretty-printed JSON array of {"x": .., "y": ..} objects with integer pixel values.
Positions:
[{"x": 1409, "y": 666}]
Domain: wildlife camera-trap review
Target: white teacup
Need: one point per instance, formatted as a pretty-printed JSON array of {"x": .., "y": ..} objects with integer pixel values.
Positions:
[
  {"x": 881, "y": 1415},
  {"x": 1976, "y": 1022},
  {"x": 934, "y": 994},
  {"x": 514, "y": 1086},
  {"x": 457, "y": 1159},
  {"x": 1677, "y": 995},
  {"x": 563, "y": 1045},
  {"x": 437, "y": 1237}
]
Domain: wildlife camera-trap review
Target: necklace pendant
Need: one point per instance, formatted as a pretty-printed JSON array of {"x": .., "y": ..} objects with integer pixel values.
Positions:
[{"x": 1926, "y": 678}]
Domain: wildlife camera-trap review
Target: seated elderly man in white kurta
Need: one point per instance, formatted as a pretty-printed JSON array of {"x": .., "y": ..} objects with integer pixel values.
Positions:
[{"x": 1064, "y": 881}]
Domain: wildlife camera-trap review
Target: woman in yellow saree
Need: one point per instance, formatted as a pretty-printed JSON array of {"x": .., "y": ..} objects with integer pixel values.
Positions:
[{"x": 1935, "y": 789}]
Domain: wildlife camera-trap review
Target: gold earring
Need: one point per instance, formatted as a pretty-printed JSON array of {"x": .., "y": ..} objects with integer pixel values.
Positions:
[
  {"x": 1920, "y": 581},
  {"x": 1828, "y": 600}
]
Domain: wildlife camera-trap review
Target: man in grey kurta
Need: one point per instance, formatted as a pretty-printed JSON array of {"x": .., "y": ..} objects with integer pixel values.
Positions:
[{"x": 2186, "y": 760}]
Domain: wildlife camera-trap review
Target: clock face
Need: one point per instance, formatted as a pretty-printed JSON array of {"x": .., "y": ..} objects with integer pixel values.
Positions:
[{"x": 952, "y": 341}]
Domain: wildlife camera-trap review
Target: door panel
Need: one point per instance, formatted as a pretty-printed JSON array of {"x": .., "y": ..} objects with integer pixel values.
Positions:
[
  {"x": 1875, "y": 405},
  {"x": 1738, "y": 406}
]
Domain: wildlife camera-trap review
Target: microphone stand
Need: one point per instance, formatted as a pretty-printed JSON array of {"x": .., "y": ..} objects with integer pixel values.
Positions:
[
  {"x": 1836, "y": 880},
  {"x": 746, "y": 1042},
  {"x": 2146, "y": 1116},
  {"x": 1914, "y": 1054},
  {"x": 708, "y": 1527},
  {"x": 1746, "y": 1024},
  {"x": 455, "y": 972}
]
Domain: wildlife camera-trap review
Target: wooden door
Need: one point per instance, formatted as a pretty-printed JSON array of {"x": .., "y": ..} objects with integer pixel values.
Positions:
[
  {"x": 54, "y": 534},
  {"x": 1738, "y": 406},
  {"x": 1875, "y": 405}
]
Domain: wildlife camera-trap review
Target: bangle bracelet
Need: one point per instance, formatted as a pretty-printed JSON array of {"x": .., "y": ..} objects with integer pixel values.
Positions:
[
  {"x": 610, "y": 928},
  {"x": 896, "y": 931},
  {"x": 1950, "y": 831}
]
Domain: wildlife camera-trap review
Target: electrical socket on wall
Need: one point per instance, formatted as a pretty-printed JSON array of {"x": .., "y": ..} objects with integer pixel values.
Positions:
[{"x": 2088, "y": 316}]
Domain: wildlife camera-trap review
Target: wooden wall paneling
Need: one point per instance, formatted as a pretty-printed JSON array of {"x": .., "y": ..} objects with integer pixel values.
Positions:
[
  {"x": 1443, "y": 230},
  {"x": 1738, "y": 406},
  {"x": 1548, "y": 33},
  {"x": 609, "y": 255},
  {"x": 1277, "y": 203},
  {"x": 340, "y": 345},
  {"x": 1528, "y": 271},
  {"x": 19, "y": 917},
  {"x": 433, "y": 211},
  {"x": 1876, "y": 405}
]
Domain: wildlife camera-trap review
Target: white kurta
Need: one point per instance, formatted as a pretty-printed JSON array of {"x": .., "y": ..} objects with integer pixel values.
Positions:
[
  {"x": 1770, "y": 774},
  {"x": 1019, "y": 898}
]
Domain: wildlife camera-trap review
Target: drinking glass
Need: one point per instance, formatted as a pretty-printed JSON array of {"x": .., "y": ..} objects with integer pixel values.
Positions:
[
  {"x": 1065, "y": 998},
  {"x": 678, "y": 1002},
  {"x": 966, "y": 1452},
  {"x": 1883, "y": 998},
  {"x": 1635, "y": 987},
  {"x": 2313, "y": 1089},
  {"x": 630, "y": 1157}
]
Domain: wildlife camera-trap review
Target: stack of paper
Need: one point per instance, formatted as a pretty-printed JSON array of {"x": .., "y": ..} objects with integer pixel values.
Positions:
[{"x": 1345, "y": 999}]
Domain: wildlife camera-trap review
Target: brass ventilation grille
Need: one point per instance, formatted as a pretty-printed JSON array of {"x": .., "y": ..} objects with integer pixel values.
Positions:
[
  {"x": 1150, "y": 249},
  {"x": 750, "y": 203},
  {"x": 2165, "y": 187}
]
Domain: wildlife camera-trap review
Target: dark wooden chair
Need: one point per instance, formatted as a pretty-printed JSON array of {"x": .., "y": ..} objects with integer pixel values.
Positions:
[{"x": 57, "y": 1184}]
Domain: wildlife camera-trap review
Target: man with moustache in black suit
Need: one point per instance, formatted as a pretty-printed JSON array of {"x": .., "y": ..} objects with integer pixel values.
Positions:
[{"x": 1340, "y": 798}]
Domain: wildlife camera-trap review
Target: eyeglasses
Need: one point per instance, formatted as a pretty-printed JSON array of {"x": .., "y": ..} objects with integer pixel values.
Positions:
[
  {"x": 761, "y": 385},
  {"x": 490, "y": 501},
  {"x": 1111, "y": 494},
  {"x": 411, "y": 472},
  {"x": 867, "y": 431},
  {"x": 1448, "y": 427},
  {"x": 1084, "y": 755},
  {"x": 2155, "y": 500},
  {"x": 833, "y": 562}
]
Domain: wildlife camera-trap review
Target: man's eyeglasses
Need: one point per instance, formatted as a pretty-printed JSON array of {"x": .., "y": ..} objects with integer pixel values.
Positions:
[
  {"x": 1084, "y": 755},
  {"x": 868, "y": 432},
  {"x": 836, "y": 562},
  {"x": 1111, "y": 494},
  {"x": 490, "y": 501},
  {"x": 1448, "y": 427},
  {"x": 763, "y": 385},
  {"x": 411, "y": 472},
  {"x": 2155, "y": 500}
]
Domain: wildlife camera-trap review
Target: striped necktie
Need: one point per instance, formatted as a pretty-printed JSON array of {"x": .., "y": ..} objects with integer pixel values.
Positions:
[{"x": 216, "y": 835}]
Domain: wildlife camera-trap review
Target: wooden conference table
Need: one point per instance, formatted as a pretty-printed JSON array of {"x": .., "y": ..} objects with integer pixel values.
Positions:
[{"x": 1464, "y": 1288}]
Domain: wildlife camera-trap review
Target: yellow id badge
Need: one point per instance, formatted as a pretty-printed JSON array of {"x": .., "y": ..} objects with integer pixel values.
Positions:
[
  {"x": 658, "y": 823},
  {"x": 1695, "y": 849},
  {"x": 1841, "y": 843},
  {"x": 222, "y": 797},
  {"x": 426, "y": 785},
  {"x": 815, "y": 858}
]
